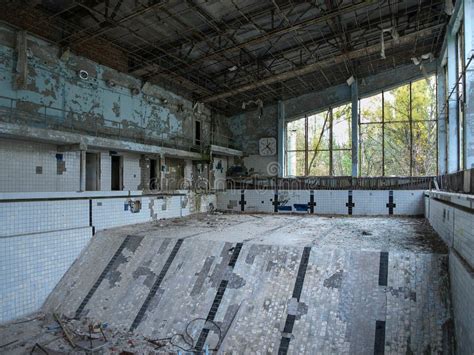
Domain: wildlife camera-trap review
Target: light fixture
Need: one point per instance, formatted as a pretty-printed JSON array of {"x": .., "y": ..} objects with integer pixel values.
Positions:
[
  {"x": 84, "y": 75},
  {"x": 233, "y": 68},
  {"x": 350, "y": 81}
]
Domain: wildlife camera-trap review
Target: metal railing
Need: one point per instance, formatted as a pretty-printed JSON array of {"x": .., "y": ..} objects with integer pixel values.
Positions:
[
  {"x": 42, "y": 116},
  {"x": 226, "y": 141},
  {"x": 331, "y": 183}
]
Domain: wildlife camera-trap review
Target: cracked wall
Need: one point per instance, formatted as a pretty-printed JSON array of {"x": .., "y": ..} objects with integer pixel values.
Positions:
[{"x": 108, "y": 101}]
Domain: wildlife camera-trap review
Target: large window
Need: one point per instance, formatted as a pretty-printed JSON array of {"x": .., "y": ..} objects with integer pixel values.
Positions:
[
  {"x": 320, "y": 144},
  {"x": 460, "y": 63},
  {"x": 397, "y": 136},
  {"x": 398, "y": 131}
]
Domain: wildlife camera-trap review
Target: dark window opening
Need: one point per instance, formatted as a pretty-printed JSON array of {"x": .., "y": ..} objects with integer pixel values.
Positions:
[
  {"x": 116, "y": 172},
  {"x": 92, "y": 172},
  {"x": 153, "y": 174},
  {"x": 197, "y": 132}
]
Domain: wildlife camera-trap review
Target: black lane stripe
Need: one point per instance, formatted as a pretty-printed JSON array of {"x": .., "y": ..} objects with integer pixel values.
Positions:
[
  {"x": 242, "y": 201},
  {"x": 301, "y": 273},
  {"x": 90, "y": 217},
  {"x": 217, "y": 299},
  {"x": 379, "y": 344},
  {"x": 390, "y": 205},
  {"x": 349, "y": 203},
  {"x": 156, "y": 285},
  {"x": 383, "y": 268},
  {"x": 212, "y": 314},
  {"x": 311, "y": 202},
  {"x": 290, "y": 318},
  {"x": 104, "y": 273}
]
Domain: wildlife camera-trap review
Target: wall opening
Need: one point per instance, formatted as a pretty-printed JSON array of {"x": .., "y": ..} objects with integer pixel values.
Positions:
[
  {"x": 92, "y": 171},
  {"x": 175, "y": 173},
  {"x": 116, "y": 172},
  {"x": 153, "y": 174},
  {"x": 197, "y": 132}
]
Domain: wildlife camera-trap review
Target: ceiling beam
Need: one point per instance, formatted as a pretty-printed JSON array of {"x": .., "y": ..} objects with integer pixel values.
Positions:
[
  {"x": 318, "y": 42},
  {"x": 282, "y": 31},
  {"x": 323, "y": 64}
]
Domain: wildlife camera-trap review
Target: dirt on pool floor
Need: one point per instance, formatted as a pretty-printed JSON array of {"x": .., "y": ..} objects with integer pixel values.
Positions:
[{"x": 339, "y": 303}]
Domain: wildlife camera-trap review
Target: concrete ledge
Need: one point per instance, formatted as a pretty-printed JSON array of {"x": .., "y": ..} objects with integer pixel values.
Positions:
[
  {"x": 31, "y": 196},
  {"x": 463, "y": 200},
  {"x": 10, "y": 130},
  {"x": 225, "y": 151}
]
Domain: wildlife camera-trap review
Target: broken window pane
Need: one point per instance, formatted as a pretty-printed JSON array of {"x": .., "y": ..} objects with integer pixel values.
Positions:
[
  {"x": 341, "y": 125},
  {"x": 295, "y": 163},
  {"x": 397, "y": 149},
  {"x": 342, "y": 162},
  {"x": 371, "y": 149},
  {"x": 371, "y": 109}
]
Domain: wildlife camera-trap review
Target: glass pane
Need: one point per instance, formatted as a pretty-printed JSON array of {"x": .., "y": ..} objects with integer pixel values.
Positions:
[
  {"x": 371, "y": 109},
  {"x": 371, "y": 149},
  {"x": 295, "y": 135},
  {"x": 424, "y": 148},
  {"x": 341, "y": 126},
  {"x": 397, "y": 104},
  {"x": 424, "y": 99},
  {"x": 318, "y": 162},
  {"x": 397, "y": 149},
  {"x": 295, "y": 163},
  {"x": 342, "y": 162},
  {"x": 318, "y": 131}
]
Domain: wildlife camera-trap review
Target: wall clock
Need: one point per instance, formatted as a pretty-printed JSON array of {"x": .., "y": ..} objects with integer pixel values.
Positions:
[{"x": 267, "y": 146}]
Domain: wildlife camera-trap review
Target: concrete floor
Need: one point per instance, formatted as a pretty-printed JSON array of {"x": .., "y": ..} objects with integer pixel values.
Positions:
[{"x": 271, "y": 284}]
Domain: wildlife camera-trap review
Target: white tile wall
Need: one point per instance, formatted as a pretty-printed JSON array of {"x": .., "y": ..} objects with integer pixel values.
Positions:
[
  {"x": 131, "y": 171},
  {"x": 18, "y": 162},
  {"x": 228, "y": 200},
  {"x": 115, "y": 212},
  {"x": 367, "y": 202},
  {"x": 441, "y": 218},
  {"x": 32, "y": 265},
  {"x": 42, "y": 216},
  {"x": 370, "y": 203},
  {"x": 170, "y": 206},
  {"x": 455, "y": 226},
  {"x": 464, "y": 235},
  {"x": 105, "y": 171},
  {"x": 39, "y": 240},
  {"x": 409, "y": 202},
  {"x": 331, "y": 202}
]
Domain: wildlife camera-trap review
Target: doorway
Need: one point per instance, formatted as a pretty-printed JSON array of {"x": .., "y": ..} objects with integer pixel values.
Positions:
[
  {"x": 153, "y": 174},
  {"x": 116, "y": 173},
  {"x": 92, "y": 171}
]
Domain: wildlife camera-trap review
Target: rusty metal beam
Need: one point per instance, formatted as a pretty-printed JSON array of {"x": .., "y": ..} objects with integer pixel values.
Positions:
[
  {"x": 322, "y": 64},
  {"x": 282, "y": 31}
]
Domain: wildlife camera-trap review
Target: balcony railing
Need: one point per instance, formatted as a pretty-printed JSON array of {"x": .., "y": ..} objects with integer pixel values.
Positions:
[{"x": 42, "y": 116}]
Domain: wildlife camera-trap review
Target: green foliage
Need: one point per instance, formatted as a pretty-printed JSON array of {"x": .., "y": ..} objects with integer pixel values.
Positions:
[{"x": 384, "y": 147}]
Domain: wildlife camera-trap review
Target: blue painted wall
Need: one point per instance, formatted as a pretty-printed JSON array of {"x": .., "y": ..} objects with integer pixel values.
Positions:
[{"x": 54, "y": 87}]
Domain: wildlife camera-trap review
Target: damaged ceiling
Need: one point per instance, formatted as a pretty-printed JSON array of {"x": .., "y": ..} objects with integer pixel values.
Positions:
[{"x": 228, "y": 52}]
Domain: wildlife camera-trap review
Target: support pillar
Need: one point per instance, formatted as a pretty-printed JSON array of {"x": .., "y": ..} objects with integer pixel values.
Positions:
[
  {"x": 281, "y": 138},
  {"x": 441, "y": 95},
  {"x": 162, "y": 172},
  {"x": 452, "y": 106},
  {"x": 21, "y": 75},
  {"x": 355, "y": 127},
  {"x": 469, "y": 89},
  {"x": 82, "y": 170}
]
